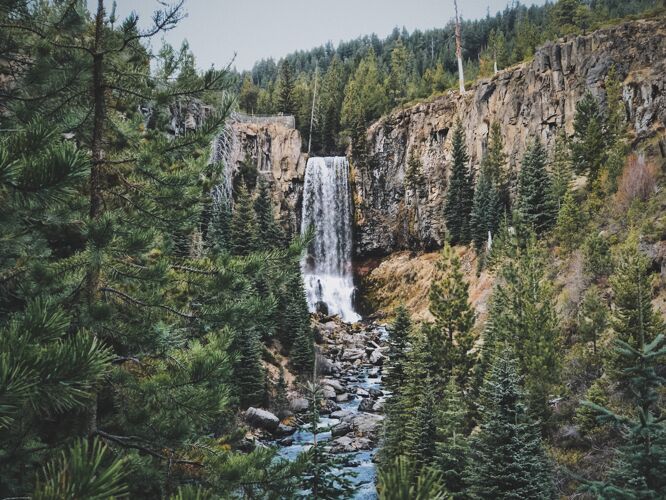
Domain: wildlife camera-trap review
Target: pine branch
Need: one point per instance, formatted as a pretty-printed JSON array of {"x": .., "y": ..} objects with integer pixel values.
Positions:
[{"x": 138, "y": 302}]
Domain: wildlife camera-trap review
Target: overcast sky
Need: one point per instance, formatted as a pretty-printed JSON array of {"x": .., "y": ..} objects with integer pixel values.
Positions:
[{"x": 256, "y": 29}]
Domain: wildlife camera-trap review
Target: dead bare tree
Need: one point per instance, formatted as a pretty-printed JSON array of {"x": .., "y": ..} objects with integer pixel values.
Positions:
[{"x": 461, "y": 76}]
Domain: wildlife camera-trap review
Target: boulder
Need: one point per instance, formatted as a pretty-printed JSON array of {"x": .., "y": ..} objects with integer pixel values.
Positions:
[
  {"x": 342, "y": 398},
  {"x": 353, "y": 354},
  {"x": 341, "y": 414},
  {"x": 299, "y": 405},
  {"x": 360, "y": 391},
  {"x": 333, "y": 383},
  {"x": 284, "y": 430},
  {"x": 328, "y": 406},
  {"x": 341, "y": 429},
  {"x": 346, "y": 444},
  {"x": 375, "y": 393},
  {"x": 376, "y": 357},
  {"x": 262, "y": 419},
  {"x": 366, "y": 405},
  {"x": 366, "y": 424},
  {"x": 328, "y": 392}
]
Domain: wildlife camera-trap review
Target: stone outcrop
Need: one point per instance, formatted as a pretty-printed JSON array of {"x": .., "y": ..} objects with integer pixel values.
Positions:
[
  {"x": 273, "y": 147},
  {"x": 533, "y": 99}
]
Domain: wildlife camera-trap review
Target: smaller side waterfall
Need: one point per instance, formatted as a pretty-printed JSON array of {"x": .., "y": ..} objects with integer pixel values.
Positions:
[{"x": 327, "y": 209}]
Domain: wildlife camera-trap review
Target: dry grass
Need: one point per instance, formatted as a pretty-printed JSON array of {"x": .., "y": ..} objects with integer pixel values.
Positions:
[
  {"x": 405, "y": 278},
  {"x": 638, "y": 181}
]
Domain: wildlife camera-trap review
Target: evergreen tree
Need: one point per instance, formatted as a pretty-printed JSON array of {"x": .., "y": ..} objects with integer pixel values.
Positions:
[
  {"x": 597, "y": 254},
  {"x": 398, "y": 342},
  {"x": 588, "y": 146},
  {"x": 324, "y": 478},
  {"x": 249, "y": 95},
  {"x": 332, "y": 95},
  {"x": 486, "y": 210},
  {"x": 422, "y": 429},
  {"x": 507, "y": 459},
  {"x": 640, "y": 465},
  {"x": 286, "y": 100},
  {"x": 451, "y": 339},
  {"x": 460, "y": 194},
  {"x": 298, "y": 325},
  {"x": 452, "y": 445},
  {"x": 248, "y": 372},
  {"x": 560, "y": 169},
  {"x": 269, "y": 233},
  {"x": 592, "y": 317},
  {"x": 616, "y": 125},
  {"x": 396, "y": 482},
  {"x": 244, "y": 228},
  {"x": 633, "y": 319},
  {"x": 522, "y": 315},
  {"x": 219, "y": 228},
  {"x": 534, "y": 201},
  {"x": 365, "y": 96},
  {"x": 281, "y": 402},
  {"x": 496, "y": 163},
  {"x": 570, "y": 223},
  {"x": 398, "y": 74}
]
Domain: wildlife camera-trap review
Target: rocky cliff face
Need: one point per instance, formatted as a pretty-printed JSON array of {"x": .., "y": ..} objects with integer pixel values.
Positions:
[
  {"x": 273, "y": 147},
  {"x": 533, "y": 99}
]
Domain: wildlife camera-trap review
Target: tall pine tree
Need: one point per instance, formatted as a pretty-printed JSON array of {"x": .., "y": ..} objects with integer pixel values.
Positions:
[
  {"x": 507, "y": 459},
  {"x": 534, "y": 192},
  {"x": 460, "y": 193}
]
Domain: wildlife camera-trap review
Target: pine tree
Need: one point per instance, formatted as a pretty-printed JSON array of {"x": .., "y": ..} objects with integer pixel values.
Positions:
[
  {"x": 324, "y": 478},
  {"x": 451, "y": 339},
  {"x": 219, "y": 228},
  {"x": 286, "y": 101},
  {"x": 248, "y": 372},
  {"x": 592, "y": 317},
  {"x": 452, "y": 446},
  {"x": 507, "y": 459},
  {"x": 534, "y": 201},
  {"x": 281, "y": 403},
  {"x": 460, "y": 194},
  {"x": 486, "y": 211},
  {"x": 332, "y": 94},
  {"x": 588, "y": 147},
  {"x": 422, "y": 429},
  {"x": 297, "y": 326},
  {"x": 616, "y": 128},
  {"x": 248, "y": 95},
  {"x": 269, "y": 233},
  {"x": 396, "y": 482},
  {"x": 570, "y": 224},
  {"x": 560, "y": 169},
  {"x": 640, "y": 464},
  {"x": 633, "y": 319},
  {"x": 522, "y": 315},
  {"x": 244, "y": 228},
  {"x": 398, "y": 342},
  {"x": 496, "y": 162},
  {"x": 398, "y": 74}
]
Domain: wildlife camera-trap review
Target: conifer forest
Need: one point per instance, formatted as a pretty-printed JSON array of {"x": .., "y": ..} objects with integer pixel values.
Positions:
[{"x": 429, "y": 265}]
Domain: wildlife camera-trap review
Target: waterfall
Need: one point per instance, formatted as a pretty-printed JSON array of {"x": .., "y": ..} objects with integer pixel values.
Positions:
[{"x": 327, "y": 209}]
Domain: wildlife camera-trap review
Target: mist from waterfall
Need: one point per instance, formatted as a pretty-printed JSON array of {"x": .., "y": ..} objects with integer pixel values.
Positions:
[{"x": 327, "y": 209}]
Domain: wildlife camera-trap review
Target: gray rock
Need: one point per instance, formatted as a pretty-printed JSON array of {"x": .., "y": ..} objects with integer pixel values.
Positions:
[
  {"x": 341, "y": 429},
  {"x": 375, "y": 393},
  {"x": 299, "y": 405},
  {"x": 284, "y": 430},
  {"x": 366, "y": 424},
  {"x": 346, "y": 444},
  {"x": 366, "y": 405},
  {"x": 353, "y": 354},
  {"x": 341, "y": 414},
  {"x": 328, "y": 392},
  {"x": 342, "y": 398},
  {"x": 262, "y": 419},
  {"x": 376, "y": 357},
  {"x": 360, "y": 391},
  {"x": 333, "y": 383}
]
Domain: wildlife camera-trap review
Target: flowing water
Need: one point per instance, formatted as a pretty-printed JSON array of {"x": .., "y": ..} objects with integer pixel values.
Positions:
[
  {"x": 359, "y": 463},
  {"x": 327, "y": 211}
]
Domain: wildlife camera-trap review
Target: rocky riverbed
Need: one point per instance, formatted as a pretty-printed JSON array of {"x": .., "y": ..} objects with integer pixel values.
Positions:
[{"x": 349, "y": 360}]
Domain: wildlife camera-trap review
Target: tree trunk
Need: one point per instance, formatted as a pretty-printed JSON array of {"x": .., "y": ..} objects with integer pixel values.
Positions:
[
  {"x": 97, "y": 152},
  {"x": 461, "y": 76}
]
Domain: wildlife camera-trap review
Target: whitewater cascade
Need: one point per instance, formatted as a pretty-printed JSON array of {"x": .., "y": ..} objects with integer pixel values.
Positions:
[{"x": 327, "y": 209}]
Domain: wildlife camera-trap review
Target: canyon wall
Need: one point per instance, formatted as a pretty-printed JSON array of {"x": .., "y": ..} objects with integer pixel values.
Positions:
[
  {"x": 273, "y": 146},
  {"x": 533, "y": 99}
]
